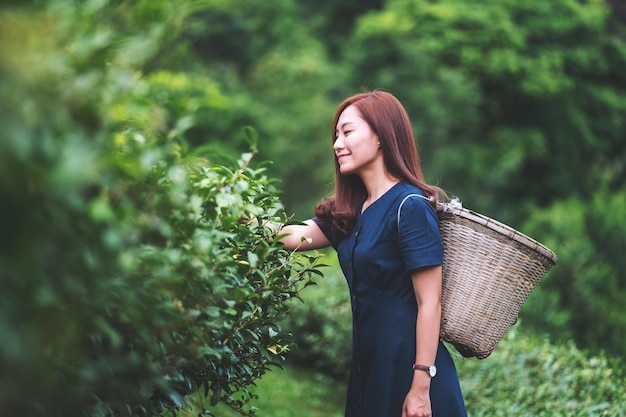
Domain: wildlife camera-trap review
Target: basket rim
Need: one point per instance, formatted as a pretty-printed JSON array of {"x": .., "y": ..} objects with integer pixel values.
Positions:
[{"x": 500, "y": 228}]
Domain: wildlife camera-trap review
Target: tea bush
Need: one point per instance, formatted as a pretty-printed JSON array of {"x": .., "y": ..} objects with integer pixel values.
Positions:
[
  {"x": 123, "y": 293},
  {"x": 527, "y": 376},
  {"x": 128, "y": 277},
  {"x": 322, "y": 326}
]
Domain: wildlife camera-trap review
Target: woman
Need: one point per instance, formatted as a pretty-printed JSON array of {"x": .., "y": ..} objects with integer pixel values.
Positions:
[{"x": 391, "y": 260}]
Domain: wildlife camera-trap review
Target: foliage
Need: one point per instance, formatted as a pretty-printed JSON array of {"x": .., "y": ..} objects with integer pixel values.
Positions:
[
  {"x": 528, "y": 376},
  {"x": 128, "y": 278},
  {"x": 286, "y": 393},
  {"x": 590, "y": 239},
  {"x": 266, "y": 55},
  {"x": 322, "y": 327},
  {"x": 334, "y": 21},
  {"x": 504, "y": 89}
]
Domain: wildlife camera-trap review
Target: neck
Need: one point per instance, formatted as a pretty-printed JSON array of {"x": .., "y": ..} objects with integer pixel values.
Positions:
[{"x": 376, "y": 186}]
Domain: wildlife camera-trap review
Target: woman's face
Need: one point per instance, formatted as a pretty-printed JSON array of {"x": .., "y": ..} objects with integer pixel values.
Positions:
[{"x": 356, "y": 146}]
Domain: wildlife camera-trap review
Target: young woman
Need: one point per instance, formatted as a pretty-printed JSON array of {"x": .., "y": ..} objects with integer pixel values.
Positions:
[{"x": 391, "y": 260}]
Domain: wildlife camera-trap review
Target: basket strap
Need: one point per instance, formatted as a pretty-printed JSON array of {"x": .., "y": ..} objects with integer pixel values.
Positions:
[{"x": 406, "y": 198}]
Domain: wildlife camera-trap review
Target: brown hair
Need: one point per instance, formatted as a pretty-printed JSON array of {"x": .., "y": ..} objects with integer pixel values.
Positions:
[{"x": 389, "y": 121}]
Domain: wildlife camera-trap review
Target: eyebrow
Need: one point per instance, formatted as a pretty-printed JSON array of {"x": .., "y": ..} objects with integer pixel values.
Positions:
[{"x": 344, "y": 125}]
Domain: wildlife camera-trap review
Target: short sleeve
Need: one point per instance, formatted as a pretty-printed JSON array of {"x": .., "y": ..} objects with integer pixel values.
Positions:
[
  {"x": 419, "y": 240},
  {"x": 325, "y": 230}
]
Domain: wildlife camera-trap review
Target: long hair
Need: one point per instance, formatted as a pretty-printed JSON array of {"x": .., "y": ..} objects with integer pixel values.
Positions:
[{"x": 389, "y": 121}]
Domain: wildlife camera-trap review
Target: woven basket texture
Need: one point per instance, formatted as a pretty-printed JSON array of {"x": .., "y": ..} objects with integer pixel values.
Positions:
[{"x": 489, "y": 269}]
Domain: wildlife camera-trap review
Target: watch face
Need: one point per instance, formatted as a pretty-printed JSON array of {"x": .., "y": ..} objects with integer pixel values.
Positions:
[{"x": 432, "y": 370}]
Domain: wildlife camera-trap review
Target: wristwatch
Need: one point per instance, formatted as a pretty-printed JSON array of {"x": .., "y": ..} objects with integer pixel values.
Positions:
[{"x": 429, "y": 369}]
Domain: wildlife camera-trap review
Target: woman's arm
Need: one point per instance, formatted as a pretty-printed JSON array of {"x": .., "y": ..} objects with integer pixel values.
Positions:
[
  {"x": 427, "y": 288},
  {"x": 303, "y": 237}
]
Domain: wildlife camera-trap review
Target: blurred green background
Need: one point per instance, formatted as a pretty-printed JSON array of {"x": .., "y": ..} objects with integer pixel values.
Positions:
[{"x": 519, "y": 109}]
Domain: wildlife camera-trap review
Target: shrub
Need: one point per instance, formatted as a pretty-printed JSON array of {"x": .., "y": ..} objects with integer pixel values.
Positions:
[
  {"x": 528, "y": 376},
  {"x": 127, "y": 276},
  {"x": 322, "y": 327}
]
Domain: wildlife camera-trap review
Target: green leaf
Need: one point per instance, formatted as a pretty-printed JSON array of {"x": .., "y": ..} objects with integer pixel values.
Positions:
[
  {"x": 252, "y": 137},
  {"x": 253, "y": 259}
]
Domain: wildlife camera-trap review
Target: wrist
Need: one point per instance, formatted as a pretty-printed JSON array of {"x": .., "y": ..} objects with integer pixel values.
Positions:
[
  {"x": 273, "y": 226},
  {"x": 420, "y": 383},
  {"x": 430, "y": 370}
]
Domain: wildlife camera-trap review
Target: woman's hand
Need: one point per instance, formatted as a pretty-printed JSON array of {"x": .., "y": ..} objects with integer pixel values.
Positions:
[
  {"x": 306, "y": 236},
  {"x": 417, "y": 401}
]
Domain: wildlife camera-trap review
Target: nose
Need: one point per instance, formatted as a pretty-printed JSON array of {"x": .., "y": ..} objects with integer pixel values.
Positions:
[{"x": 338, "y": 144}]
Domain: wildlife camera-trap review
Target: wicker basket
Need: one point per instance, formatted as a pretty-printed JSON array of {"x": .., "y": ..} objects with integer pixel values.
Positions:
[{"x": 489, "y": 269}]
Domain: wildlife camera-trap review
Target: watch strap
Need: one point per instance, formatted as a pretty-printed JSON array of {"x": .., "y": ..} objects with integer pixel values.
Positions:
[{"x": 425, "y": 368}]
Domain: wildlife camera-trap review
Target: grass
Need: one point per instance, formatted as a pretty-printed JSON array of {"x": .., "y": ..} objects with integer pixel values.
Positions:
[{"x": 289, "y": 392}]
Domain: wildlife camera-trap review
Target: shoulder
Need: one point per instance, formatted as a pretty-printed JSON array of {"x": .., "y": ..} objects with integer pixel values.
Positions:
[
  {"x": 410, "y": 195},
  {"x": 411, "y": 202}
]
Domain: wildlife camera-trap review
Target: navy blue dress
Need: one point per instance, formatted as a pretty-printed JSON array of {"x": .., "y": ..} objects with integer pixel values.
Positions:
[{"x": 376, "y": 259}]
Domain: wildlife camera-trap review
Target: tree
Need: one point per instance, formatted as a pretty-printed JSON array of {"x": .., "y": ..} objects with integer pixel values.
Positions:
[{"x": 504, "y": 87}]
